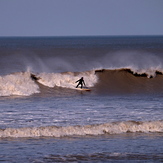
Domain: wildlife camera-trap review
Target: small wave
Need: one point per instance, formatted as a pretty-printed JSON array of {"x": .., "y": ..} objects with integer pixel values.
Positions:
[
  {"x": 104, "y": 157},
  {"x": 97, "y": 129}
]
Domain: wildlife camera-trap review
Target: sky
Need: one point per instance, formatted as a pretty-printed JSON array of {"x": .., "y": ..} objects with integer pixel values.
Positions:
[{"x": 80, "y": 17}]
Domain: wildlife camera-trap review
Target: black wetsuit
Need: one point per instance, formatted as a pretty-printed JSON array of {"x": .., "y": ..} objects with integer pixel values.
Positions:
[{"x": 81, "y": 82}]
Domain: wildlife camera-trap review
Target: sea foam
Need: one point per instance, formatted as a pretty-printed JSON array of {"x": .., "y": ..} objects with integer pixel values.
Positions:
[
  {"x": 18, "y": 84},
  {"x": 68, "y": 79},
  {"x": 96, "y": 129}
]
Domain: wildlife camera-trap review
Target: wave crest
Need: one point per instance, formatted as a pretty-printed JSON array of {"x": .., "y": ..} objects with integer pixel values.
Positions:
[{"x": 100, "y": 129}]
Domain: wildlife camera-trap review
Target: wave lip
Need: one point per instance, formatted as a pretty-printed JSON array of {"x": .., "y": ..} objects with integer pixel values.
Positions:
[{"x": 97, "y": 129}]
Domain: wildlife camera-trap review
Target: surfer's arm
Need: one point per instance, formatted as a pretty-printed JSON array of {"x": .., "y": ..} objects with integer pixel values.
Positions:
[
  {"x": 77, "y": 81},
  {"x": 84, "y": 82}
]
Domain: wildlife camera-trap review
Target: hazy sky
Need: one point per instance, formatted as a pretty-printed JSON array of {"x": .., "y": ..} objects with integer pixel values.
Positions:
[{"x": 80, "y": 17}]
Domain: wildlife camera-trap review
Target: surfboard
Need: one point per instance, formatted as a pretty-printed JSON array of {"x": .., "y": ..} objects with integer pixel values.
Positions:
[{"x": 83, "y": 89}]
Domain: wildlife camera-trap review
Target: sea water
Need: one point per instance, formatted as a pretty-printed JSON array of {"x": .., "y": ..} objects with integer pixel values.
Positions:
[{"x": 48, "y": 120}]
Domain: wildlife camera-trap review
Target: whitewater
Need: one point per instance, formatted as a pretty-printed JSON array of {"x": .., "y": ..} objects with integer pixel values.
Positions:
[
  {"x": 109, "y": 128},
  {"x": 44, "y": 118}
]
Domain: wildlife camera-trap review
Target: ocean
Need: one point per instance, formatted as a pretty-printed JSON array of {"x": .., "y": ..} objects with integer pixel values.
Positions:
[{"x": 44, "y": 118}]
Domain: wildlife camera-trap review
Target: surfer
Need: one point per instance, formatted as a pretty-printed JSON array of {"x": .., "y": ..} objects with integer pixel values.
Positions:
[{"x": 81, "y": 82}]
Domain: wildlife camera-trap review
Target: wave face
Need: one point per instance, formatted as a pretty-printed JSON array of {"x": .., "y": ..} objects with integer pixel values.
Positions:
[
  {"x": 100, "y": 129},
  {"x": 127, "y": 81}
]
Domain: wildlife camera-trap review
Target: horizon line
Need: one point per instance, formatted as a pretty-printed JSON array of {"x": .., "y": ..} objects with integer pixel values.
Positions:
[{"x": 87, "y": 36}]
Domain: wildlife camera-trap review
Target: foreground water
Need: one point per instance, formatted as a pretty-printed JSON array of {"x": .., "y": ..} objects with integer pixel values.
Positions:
[
  {"x": 110, "y": 148},
  {"x": 129, "y": 141},
  {"x": 45, "y": 119}
]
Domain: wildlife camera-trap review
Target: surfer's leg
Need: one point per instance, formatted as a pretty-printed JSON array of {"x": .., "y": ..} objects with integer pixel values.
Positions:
[{"x": 77, "y": 85}]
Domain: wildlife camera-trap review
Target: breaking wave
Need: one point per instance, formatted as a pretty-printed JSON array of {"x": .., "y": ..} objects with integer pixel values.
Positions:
[
  {"x": 66, "y": 80},
  {"x": 25, "y": 83},
  {"x": 18, "y": 84},
  {"x": 124, "y": 80},
  {"x": 97, "y": 129}
]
